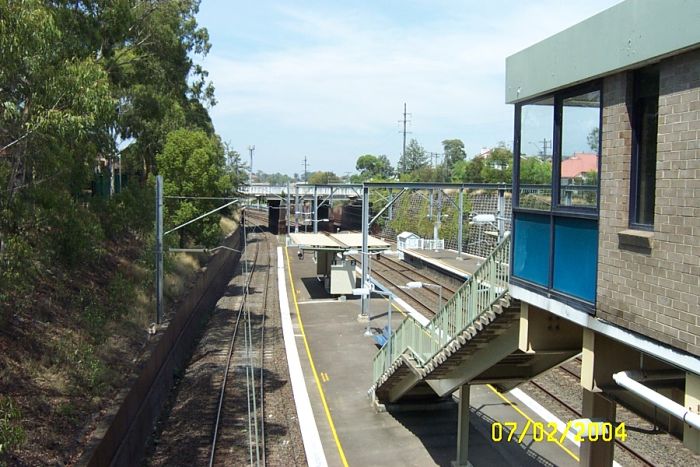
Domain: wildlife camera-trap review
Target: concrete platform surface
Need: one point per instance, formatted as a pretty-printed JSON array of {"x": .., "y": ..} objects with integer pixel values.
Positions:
[
  {"x": 448, "y": 261},
  {"x": 337, "y": 362}
]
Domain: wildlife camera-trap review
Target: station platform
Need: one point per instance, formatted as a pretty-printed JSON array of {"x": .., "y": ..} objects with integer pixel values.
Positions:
[
  {"x": 336, "y": 360},
  {"x": 447, "y": 261}
]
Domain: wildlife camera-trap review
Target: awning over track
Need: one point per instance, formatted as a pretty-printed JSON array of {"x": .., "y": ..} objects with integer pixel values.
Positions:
[{"x": 336, "y": 241}]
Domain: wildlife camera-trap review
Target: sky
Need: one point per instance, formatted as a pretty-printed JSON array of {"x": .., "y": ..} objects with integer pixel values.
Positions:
[{"x": 327, "y": 80}]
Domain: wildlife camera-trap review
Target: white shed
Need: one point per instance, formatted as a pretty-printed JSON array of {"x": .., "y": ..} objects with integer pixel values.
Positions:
[{"x": 406, "y": 240}]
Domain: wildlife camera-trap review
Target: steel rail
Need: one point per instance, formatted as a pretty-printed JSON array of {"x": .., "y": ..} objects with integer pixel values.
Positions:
[
  {"x": 578, "y": 414},
  {"x": 222, "y": 392},
  {"x": 412, "y": 272}
]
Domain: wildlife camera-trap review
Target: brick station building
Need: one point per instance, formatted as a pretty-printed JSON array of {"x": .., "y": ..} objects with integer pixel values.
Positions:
[{"x": 616, "y": 259}]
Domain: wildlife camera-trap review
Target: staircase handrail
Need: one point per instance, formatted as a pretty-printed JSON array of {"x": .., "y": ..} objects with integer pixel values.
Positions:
[{"x": 477, "y": 295}]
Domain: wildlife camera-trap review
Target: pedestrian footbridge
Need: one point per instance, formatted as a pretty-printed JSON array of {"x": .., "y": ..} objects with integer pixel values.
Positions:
[{"x": 480, "y": 336}]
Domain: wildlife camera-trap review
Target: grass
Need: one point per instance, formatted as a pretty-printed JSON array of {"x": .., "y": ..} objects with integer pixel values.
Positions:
[
  {"x": 11, "y": 433},
  {"x": 228, "y": 224},
  {"x": 79, "y": 344}
]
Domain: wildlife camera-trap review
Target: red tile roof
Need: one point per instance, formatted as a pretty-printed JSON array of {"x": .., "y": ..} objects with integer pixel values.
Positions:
[{"x": 578, "y": 164}]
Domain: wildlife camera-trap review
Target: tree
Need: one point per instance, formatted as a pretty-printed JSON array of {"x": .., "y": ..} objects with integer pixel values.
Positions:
[
  {"x": 423, "y": 174},
  {"x": 454, "y": 152},
  {"x": 414, "y": 158},
  {"x": 323, "y": 178},
  {"x": 468, "y": 171},
  {"x": 374, "y": 167},
  {"x": 236, "y": 169},
  {"x": 193, "y": 164},
  {"x": 498, "y": 165},
  {"x": 593, "y": 138},
  {"x": 535, "y": 171}
]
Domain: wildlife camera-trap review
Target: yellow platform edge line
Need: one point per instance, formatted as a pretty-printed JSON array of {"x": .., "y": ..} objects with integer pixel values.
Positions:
[
  {"x": 507, "y": 401},
  {"x": 311, "y": 361}
]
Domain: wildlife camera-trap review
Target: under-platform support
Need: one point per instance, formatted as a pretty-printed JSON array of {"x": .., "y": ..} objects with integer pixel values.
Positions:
[
  {"x": 463, "y": 428},
  {"x": 691, "y": 436},
  {"x": 597, "y": 408}
]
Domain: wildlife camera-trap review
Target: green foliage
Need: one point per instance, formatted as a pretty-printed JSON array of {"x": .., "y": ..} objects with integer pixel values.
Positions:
[
  {"x": 468, "y": 171},
  {"x": 494, "y": 167},
  {"x": 535, "y": 171},
  {"x": 193, "y": 164},
  {"x": 498, "y": 166},
  {"x": 16, "y": 272},
  {"x": 424, "y": 174},
  {"x": 323, "y": 178},
  {"x": 454, "y": 152},
  {"x": 273, "y": 179},
  {"x": 131, "y": 210},
  {"x": 414, "y": 158},
  {"x": 12, "y": 434},
  {"x": 374, "y": 168},
  {"x": 87, "y": 371},
  {"x": 74, "y": 233},
  {"x": 593, "y": 139}
]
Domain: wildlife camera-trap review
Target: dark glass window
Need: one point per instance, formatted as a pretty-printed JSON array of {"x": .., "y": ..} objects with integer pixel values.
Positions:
[
  {"x": 645, "y": 121},
  {"x": 535, "y": 176},
  {"x": 580, "y": 137}
]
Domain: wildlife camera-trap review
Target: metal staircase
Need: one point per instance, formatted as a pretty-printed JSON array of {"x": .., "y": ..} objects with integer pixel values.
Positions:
[{"x": 419, "y": 360}]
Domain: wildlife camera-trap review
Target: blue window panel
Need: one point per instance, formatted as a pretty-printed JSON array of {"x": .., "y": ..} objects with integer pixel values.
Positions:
[
  {"x": 576, "y": 257},
  {"x": 531, "y": 248}
]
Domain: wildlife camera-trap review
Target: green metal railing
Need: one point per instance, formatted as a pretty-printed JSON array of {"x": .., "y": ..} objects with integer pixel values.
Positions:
[{"x": 476, "y": 296}]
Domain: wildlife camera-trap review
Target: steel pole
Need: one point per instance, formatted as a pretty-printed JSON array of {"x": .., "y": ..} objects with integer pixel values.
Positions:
[
  {"x": 289, "y": 214},
  {"x": 296, "y": 208},
  {"x": 460, "y": 223},
  {"x": 159, "y": 249},
  {"x": 365, "y": 250},
  {"x": 501, "y": 212},
  {"x": 315, "y": 216},
  {"x": 391, "y": 202}
]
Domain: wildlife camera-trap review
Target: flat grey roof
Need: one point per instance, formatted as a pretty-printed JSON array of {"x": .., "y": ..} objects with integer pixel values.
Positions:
[
  {"x": 625, "y": 36},
  {"x": 336, "y": 241}
]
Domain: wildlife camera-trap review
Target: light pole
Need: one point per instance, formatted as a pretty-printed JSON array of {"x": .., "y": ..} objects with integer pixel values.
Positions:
[
  {"x": 367, "y": 292},
  {"x": 420, "y": 285},
  {"x": 251, "y": 148}
]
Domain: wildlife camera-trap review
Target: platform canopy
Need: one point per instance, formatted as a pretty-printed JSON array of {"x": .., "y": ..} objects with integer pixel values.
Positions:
[{"x": 336, "y": 241}]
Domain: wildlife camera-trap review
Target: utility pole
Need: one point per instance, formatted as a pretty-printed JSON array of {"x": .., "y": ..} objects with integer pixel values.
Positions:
[
  {"x": 159, "y": 249},
  {"x": 250, "y": 150},
  {"x": 545, "y": 143},
  {"x": 403, "y": 152},
  {"x": 306, "y": 174}
]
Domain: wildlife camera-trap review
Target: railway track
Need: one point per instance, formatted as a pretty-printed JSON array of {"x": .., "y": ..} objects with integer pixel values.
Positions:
[
  {"x": 244, "y": 374},
  {"x": 395, "y": 275},
  {"x": 570, "y": 376},
  {"x": 234, "y": 405}
]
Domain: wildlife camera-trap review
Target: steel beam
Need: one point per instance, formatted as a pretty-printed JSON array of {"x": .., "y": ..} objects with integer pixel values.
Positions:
[
  {"x": 460, "y": 223},
  {"x": 365, "y": 250}
]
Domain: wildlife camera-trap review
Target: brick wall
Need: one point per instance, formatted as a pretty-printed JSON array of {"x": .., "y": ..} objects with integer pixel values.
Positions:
[{"x": 655, "y": 292}]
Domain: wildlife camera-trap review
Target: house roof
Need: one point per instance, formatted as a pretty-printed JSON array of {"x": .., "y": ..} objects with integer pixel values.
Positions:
[{"x": 578, "y": 164}]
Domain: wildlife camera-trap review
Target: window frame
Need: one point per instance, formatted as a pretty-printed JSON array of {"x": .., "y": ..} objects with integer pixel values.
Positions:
[
  {"x": 636, "y": 119},
  {"x": 556, "y": 209},
  {"x": 555, "y": 202}
]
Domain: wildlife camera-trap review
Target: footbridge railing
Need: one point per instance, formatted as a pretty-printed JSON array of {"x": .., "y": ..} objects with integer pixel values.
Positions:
[{"x": 484, "y": 288}]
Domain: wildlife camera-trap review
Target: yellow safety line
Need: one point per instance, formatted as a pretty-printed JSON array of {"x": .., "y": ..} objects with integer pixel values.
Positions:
[
  {"x": 313, "y": 367},
  {"x": 530, "y": 421}
]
